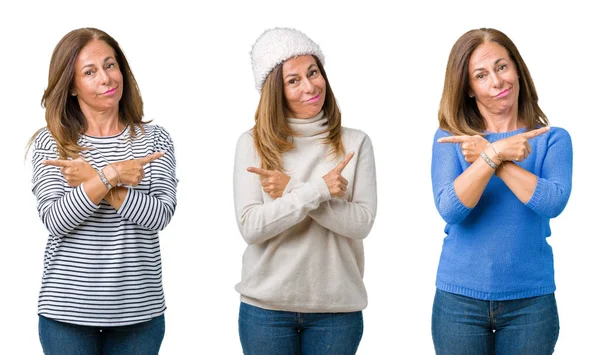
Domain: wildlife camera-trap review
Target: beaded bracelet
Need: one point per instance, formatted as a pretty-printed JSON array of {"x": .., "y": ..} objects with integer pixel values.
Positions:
[
  {"x": 489, "y": 161},
  {"x": 104, "y": 179}
]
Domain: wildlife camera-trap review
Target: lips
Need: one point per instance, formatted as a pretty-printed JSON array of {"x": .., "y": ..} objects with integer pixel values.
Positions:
[
  {"x": 314, "y": 98},
  {"x": 503, "y": 93},
  {"x": 110, "y": 92}
]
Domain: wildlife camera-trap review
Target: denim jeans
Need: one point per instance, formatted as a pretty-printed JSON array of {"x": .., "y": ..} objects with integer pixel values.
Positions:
[
  {"x": 266, "y": 332},
  {"x": 59, "y": 338},
  {"x": 464, "y": 325}
]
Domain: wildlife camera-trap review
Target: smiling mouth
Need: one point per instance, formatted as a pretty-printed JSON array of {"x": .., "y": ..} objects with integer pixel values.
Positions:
[
  {"x": 111, "y": 91},
  {"x": 504, "y": 93},
  {"x": 314, "y": 99}
]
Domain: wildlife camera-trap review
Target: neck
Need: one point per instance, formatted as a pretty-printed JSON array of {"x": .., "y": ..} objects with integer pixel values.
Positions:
[
  {"x": 103, "y": 123},
  {"x": 498, "y": 122}
]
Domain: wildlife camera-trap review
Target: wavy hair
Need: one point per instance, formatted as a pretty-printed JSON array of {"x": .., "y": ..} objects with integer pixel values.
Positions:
[
  {"x": 272, "y": 134},
  {"x": 458, "y": 113},
  {"x": 64, "y": 118}
]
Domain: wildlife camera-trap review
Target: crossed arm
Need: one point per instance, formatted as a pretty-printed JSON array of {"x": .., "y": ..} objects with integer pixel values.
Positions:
[
  {"x": 62, "y": 211},
  {"x": 456, "y": 191},
  {"x": 293, "y": 201}
]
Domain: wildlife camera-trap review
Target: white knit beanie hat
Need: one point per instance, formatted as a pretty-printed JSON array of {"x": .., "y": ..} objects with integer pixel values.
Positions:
[{"x": 277, "y": 45}]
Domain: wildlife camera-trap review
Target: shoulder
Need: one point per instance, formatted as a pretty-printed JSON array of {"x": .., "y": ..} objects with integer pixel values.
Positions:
[
  {"x": 439, "y": 133},
  {"x": 152, "y": 130},
  {"x": 158, "y": 135},
  {"x": 559, "y": 132},
  {"x": 353, "y": 135},
  {"x": 246, "y": 139},
  {"x": 560, "y": 137},
  {"x": 44, "y": 140},
  {"x": 555, "y": 135}
]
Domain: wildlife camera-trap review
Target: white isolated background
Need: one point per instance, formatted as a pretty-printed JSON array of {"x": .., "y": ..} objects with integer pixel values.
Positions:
[{"x": 386, "y": 64}]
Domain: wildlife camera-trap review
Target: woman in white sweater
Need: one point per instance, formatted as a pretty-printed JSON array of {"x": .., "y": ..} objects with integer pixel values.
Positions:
[{"x": 305, "y": 197}]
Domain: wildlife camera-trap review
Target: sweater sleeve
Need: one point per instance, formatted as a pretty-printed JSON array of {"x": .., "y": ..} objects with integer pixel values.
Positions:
[
  {"x": 60, "y": 211},
  {"x": 445, "y": 168},
  {"x": 260, "y": 220},
  {"x": 155, "y": 209},
  {"x": 353, "y": 219},
  {"x": 554, "y": 182}
]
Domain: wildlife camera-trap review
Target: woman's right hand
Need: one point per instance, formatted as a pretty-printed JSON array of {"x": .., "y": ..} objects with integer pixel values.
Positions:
[
  {"x": 336, "y": 183},
  {"x": 517, "y": 148},
  {"x": 131, "y": 172}
]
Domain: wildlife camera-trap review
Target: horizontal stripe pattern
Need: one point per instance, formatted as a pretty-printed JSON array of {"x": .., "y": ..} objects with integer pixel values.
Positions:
[{"x": 103, "y": 267}]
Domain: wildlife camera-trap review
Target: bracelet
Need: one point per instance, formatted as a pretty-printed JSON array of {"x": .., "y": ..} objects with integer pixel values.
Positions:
[
  {"x": 104, "y": 179},
  {"x": 118, "y": 176},
  {"x": 489, "y": 161},
  {"x": 495, "y": 152}
]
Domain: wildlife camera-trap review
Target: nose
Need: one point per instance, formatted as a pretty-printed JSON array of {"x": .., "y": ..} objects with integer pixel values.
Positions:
[
  {"x": 308, "y": 86},
  {"x": 103, "y": 75},
  {"x": 497, "y": 80}
]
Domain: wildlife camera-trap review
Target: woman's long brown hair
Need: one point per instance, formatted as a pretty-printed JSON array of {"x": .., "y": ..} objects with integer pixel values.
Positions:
[
  {"x": 64, "y": 118},
  {"x": 458, "y": 112},
  {"x": 272, "y": 134}
]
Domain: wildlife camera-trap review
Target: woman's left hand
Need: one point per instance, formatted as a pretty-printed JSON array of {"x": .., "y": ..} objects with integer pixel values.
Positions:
[
  {"x": 75, "y": 171},
  {"x": 471, "y": 146},
  {"x": 273, "y": 182}
]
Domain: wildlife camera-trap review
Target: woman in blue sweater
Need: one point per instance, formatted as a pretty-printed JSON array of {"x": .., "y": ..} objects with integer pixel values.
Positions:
[{"x": 499, "y": 173}]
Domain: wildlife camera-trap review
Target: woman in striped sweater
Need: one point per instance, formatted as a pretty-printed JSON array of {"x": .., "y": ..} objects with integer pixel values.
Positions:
[{"x": 105, "y": 185}]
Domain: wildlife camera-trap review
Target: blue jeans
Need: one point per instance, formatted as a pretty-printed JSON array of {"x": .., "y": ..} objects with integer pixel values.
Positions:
[
  {"x": 464, "y": 325},
  {"x": 59, "y": 338},
  {"x": 265, "y": 332}
]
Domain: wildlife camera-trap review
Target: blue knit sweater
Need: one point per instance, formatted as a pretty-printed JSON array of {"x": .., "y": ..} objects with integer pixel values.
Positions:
[{"x": 498, "y": 249}]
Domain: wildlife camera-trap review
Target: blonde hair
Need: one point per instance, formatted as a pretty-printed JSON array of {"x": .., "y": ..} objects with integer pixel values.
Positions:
[
  {"x": 458, "y": 113},
  {"x": 271, "y": 131}
]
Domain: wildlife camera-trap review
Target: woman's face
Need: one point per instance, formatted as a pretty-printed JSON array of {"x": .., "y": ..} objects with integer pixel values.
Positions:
[
  {"x": 304, "y": 87},
  {"x": 98, "y": 81},
  {"x": 493, "y": 79}
]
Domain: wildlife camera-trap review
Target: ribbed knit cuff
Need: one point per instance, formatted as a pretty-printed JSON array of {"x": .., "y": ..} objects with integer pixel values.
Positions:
[
  {"x": 536, "y": 197},
  {"x": 457, "y": 204},
  {"x": 322, "y": 188}
]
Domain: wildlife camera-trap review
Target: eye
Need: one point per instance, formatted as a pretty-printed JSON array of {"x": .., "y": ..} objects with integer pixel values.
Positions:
[
  {"x": 479, "y": 76},
  {"x": 313, "y": 72},
  {"x": 110, "y": 65},
  {"x": 87, "y": 72},
  {"x": 292, "y": 81},
  {"x": 502, "y": 67}
]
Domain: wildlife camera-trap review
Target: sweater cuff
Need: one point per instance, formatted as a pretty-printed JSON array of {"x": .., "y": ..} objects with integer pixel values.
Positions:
[
  {"x": 292, "y": 184},
  {"x": 84, "y": 199},
  {"x": 457, "y": 204},
  {"x": 322, "y": 189},
  {"x": 125, "y": 202},
  {"x": 536, "y": 197}
]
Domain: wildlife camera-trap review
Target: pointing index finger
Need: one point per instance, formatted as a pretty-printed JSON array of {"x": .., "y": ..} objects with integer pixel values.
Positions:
[
  {"x": 259, "y": 171},
  {"x": 149, "y": 158},
  {"x": 344, "y": 162},
  {"x": 57, "y": 162},
  {"x": 536, "y": 132},
  {"x": 453, "y": 139}
]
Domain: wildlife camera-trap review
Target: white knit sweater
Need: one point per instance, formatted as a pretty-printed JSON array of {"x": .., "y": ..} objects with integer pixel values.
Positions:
[{"x": 305, "y": 250}]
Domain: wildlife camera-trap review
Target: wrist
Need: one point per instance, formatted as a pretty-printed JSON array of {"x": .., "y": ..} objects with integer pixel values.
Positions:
[
  {"x": 491, "y": 152},
  {"x": 111, "y": 175}
]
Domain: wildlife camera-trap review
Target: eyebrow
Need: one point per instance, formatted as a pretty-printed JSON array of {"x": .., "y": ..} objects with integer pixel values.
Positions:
[
  {"x": 91, "y": 65},
  {"x": 496, "y": 62},
  {"x": 294, "y": 74}
]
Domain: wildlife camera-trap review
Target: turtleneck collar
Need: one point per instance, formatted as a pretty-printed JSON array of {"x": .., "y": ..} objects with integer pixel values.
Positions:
[{"x": 308, "y": 127}]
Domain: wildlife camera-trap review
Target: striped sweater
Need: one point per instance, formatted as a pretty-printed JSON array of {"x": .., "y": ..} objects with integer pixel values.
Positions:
[{"x": 102, "y": 266}]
